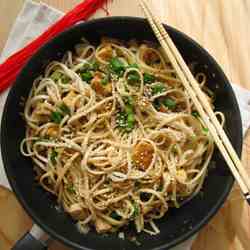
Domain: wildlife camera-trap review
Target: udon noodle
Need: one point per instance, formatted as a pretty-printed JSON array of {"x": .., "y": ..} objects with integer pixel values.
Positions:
[{"x": 114, "y": 135}]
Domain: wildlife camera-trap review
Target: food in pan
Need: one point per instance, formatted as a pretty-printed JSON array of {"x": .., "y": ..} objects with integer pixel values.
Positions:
[{"x": 114, "y": 135}]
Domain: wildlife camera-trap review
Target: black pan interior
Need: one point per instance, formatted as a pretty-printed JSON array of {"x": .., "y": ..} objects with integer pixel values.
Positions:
[{"x": 178, "y": 224}]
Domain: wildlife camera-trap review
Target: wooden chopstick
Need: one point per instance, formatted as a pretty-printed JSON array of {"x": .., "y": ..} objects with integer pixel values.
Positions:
[
  {"x": 201, "y": 96},
  {"x": 203, "y": 108}
]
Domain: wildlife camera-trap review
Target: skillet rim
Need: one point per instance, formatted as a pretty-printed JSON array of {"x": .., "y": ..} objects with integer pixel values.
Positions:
[{"x": 25, "y": 205}]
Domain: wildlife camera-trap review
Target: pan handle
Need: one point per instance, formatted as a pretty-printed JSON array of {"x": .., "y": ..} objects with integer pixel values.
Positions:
[{"x": 36, "y": 239}]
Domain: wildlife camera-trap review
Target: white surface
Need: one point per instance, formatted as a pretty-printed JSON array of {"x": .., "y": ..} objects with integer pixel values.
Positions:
[{"x": 35, "y": 18}]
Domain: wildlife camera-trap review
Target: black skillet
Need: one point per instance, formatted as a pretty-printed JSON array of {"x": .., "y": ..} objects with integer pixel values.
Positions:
[{"x": 178, "y": 224}]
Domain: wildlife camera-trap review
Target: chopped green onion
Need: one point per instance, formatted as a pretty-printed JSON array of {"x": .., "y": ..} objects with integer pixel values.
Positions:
[
  {"x": 57, "y": 75},
  {"x": 130, "y": 121},
  {"x": 85, "y": 67},
  {"x": 133, "y": 65},
  {"x": 148, "y": 78},
  {"x": 56, "y": 117},
  {"x": 205, "y": 130},
  {"x": 129, "y": 109},
  {"x": 133, "y": 78},
  {"x": 86, "y": 76},
  {"x": 158, "y": 88},
  {"x": 129, "y": 100},
  {"x": 121, "y": 120},
  {"x": 117, "y": 66},
  {"x": 53, "y": 156},
  {"x": 169, "y": 103},
  {"x": 105, "y": 80},
  {"x": 136, "y": 210},
  {"x": 95, "y": 66},
  {"x": 195, "y": 114},
  {"x": 64, "y": 109},
  {"x": 115, "y": 216},
  {"x": 71, "y": 189},
  {"x": 126, "y": 119}
]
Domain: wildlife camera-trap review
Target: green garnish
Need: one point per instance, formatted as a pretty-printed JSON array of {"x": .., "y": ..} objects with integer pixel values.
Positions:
[
  {"x": 129, "y": 100},
  {"x": 169, "y": 103},
  {"x": 85, "y": 67},
  {"x": 133, "y": 65},
  {"x": 148, "y": 78},
  {"x": 130, "y": 121},
  {"x": 86, "y": 76},
  {"x": 117, "y": 66},
  {"x": 64, "y": 109},
  {"x": 71, "y": 188},
  {"x": 105, "y": 80},
  {"x": 53, "y": 156},
  {"x": 126, "y": 118},
  {"x": 136, "y": 210},
  {"x": 57, "y": 75},
  {"x": 115, "y": 216},
  {"x": 195, "y": 114},
  {"x": 205, "y": 130},
  {"x": 56, "y": 117},
  {"x": 121, "y": 120},
  {"x": 133, "y": 78},
  {"x": 95, "y": 66},
  {"x": 158, "y": 88},
  {"x": 129, "y": 109}
]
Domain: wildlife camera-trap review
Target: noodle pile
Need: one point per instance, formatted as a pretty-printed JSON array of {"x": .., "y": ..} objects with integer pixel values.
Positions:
[{"x": 114, "y": 135}]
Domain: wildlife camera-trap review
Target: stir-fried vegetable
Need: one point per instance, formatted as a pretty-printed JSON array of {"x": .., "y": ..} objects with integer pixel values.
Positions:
[
  {"x": 136, "y": 210},
  {"x": 53, "y": 156},
  {"x": 133, "y": 78},
  {"x": 71, "y": 188},
  {"x": 105, "y": 80},
  {"x": 95, "y": 66},
  {"x": 117, "y": 66},
  {"x": 205, "y": 130},
  {"x": 64, "y": 109},
  {"x": 158, "y": 88},
  {"x": 133, "y": 65},
  {"x": 126, "y": 118},
  {"x": 195, "y": 114},
  {"x": 148, "y": 78},
  {"x": 56, "y": 117},
  {"x": 87, "y": 76},
  {"x": 57, "y": 75},
  {"x": 169, "y": 103}
]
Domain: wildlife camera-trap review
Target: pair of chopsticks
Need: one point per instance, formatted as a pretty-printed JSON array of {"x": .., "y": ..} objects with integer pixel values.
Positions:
[{"x": 199, "y": 100}]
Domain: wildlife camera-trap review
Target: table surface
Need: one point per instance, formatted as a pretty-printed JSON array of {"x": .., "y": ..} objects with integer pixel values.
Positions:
[{"x": 222, "y": 27}]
